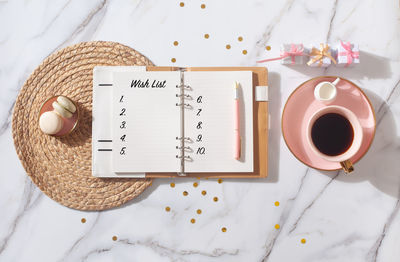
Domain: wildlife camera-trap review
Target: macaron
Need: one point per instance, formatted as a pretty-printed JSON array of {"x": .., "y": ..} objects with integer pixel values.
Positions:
[
  {"x": 61, "y": 110},
  {"x": 50, "y": 123},
  {"x": 66, "y": 103}
]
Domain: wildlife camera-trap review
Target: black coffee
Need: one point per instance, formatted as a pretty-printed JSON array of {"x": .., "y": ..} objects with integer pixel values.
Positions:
[{"x": 332, "y": 134}]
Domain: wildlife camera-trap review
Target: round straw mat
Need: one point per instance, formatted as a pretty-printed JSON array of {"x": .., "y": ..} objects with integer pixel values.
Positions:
[{"x": 61, "y": 167}]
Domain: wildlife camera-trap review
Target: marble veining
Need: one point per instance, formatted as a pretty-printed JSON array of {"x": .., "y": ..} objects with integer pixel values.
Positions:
[{"x": 342, "y": 218}]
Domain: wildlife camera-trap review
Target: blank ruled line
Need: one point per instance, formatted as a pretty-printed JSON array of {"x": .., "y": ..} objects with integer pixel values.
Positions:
[
  {"x": 104, "y": 140},
  {"x": 105, "y": 84},
  {"x": 104, "y": 150}
]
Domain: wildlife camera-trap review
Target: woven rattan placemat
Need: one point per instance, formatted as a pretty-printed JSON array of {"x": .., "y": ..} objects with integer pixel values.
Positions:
[{"x": 61, "y": 167}]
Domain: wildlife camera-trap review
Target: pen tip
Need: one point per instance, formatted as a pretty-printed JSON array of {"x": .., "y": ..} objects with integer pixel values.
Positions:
[{"x": 236, "y": 84}]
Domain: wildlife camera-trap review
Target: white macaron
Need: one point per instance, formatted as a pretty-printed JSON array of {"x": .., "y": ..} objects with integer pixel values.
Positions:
[
  {"x": 61, "y": 110},
  {"x": 50, "y": 123},
  {"x": 66, "y": 103}
]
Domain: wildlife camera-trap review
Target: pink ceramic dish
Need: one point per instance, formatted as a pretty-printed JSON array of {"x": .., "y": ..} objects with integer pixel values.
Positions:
[
  {"x": 69, "y": 123},
  {"x": 300, "y": 107}
]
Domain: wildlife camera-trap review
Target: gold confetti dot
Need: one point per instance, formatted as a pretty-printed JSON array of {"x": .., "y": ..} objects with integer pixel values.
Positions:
[
  {"x": 244, "y": 52},
  {"x": 277, "y": 203},
  {"x": 215, "y": 199},
  {"x": 83, "y": 220},
  {"x": 114, "y": 238},
  {"x": 198, "y": 178},
  {"x": 240, "y": 39},
  {"x": 167, "y": 209},
  {"x": 172, "y": 184},
  {"x": 198, "y": 211},
  {"x": 220, "y": 181},
  {"x": 223, "y": 229},
  {"x": 173, "y": 60},
  {"x": 185, "y": 193},
  {"x": 203, "y": 6},
  {"x": 303, "y": 240},
  {"x": 268, "y": 47},
  {"x": 277, "y": 226},
  {"x": 176, "y": 43},
  {"x": 192, "y": 220},
  {"x": 182, "y": 4},
  {"x": 228, "y": 46},
  {"x": 206, "y": 36},
  {"x": 203, "y": 192},
  {"x": 195, "y": 184}
]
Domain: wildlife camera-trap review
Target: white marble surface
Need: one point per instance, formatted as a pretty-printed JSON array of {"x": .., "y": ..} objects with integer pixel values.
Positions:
[{"x": 342, "y": 218}]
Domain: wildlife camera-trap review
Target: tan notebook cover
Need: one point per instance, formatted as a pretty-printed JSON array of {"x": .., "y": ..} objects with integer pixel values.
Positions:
[{"x": 260, "y": 125}]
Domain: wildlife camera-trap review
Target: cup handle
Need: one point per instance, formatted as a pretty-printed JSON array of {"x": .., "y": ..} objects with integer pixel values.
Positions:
[{"x": 347, "y": 166}]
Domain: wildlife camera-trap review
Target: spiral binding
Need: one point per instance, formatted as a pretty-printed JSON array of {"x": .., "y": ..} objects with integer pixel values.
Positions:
[
  {"x": 187, "y": 139},
  {"x": 186, "y": 87},
  {"x": 187, "y": 148},
  {"x": 188, "y": 97},
  {"x": 183, "y": 105}
]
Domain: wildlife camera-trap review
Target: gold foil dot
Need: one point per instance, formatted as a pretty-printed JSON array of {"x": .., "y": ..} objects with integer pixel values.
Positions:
[
  {"x": 203, "y": 6},
  {"x": 198, "y": 178},
  {"x": 176, "y": 43},
  {"x": 277, "y": 226},
  {"x": 167, "y": 209},
  {"x": 244, "y": 52},
  {"x": 173, "y": 60},
  {"x": 215, "y": 199},
  {"x": 198, "y": 211},
  {"x": 303, "y": 240},
  {"x": 228, "y": 46},
  {"x": 114, "y": 238},
  {"x": 172, "y": 184},
  {"x": 206, "y": 36},
  {"x": 182, "y": 4},
  {"x": 203, "y": 192},
  {"x": 83, "y": 220},
  {"x": 277, "y": 203},
  {"x": 185, "y": 193},
  {"x": 192, "y": 220},
  {"x": 220, "y": 181},
  {"x": 268, "y": 47},
  {"x": 195, "y": 184},
  {"x": 240, "y": 39},
  {"x": 223, "y": 229}
]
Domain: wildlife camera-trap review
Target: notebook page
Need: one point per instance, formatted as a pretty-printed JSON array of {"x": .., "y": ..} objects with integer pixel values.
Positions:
[
  {"x": 210, "y": 122},
  {"x": 102, "y": 118},
  {"x": 146, "y": 122}
]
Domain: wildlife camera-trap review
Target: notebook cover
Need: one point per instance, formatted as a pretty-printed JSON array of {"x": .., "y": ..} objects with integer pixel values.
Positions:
[{"x": 260, "y": 125}]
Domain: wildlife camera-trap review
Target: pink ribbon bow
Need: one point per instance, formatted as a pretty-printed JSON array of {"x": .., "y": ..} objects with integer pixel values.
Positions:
[
  {"x": 349, "y": 52},
  {"x": 293, "y": 52}
]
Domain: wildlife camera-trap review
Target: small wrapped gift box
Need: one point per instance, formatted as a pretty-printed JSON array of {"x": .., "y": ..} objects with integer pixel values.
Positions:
[
  {"x": 321, "y": 57},
  {"x": 293, "y": 54},
  {"x": 348, "y": 54},
  {"x": 290, "y": 54}
]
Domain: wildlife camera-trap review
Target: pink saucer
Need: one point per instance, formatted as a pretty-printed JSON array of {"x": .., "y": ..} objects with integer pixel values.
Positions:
[{"x": 301, "y": 105}]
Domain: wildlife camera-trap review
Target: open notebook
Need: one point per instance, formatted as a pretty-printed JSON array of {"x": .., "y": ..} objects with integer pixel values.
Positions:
[{"x": 180, "y": 121}]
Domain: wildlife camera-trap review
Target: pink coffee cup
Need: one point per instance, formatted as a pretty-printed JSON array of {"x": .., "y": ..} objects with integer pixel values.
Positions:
[{"x": 343, "y": 158}]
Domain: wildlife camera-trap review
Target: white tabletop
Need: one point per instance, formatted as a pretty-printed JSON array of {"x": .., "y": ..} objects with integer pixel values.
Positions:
[{"x": 341, "y": 218}]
